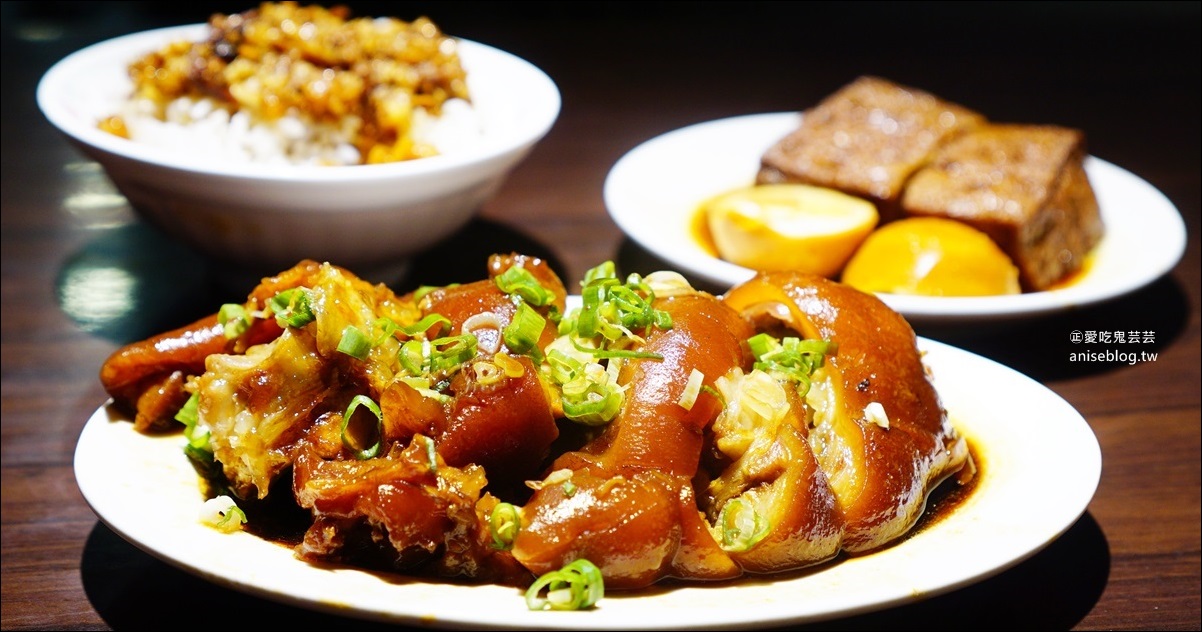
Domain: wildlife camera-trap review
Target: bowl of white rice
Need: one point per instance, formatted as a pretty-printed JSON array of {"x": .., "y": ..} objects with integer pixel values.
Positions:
[{"x": 267, "y": 194}]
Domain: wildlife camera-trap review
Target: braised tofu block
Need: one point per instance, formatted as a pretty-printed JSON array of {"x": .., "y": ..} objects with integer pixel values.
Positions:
[
  {"x": 867, "y": 139},
  {"x": 1023, "y": 185}
]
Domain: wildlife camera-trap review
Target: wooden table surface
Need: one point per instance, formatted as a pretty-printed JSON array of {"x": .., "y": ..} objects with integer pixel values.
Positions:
[{"x": 1126, "y": 74}]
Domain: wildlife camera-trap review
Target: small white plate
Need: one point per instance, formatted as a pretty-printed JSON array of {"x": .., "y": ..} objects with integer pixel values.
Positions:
[
  {"x": 654, "y": 191},
  {"x": 145, "y": 490}
]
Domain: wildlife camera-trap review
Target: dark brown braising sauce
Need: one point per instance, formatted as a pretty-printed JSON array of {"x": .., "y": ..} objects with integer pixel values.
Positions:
[{"x": 947, "y": 497}]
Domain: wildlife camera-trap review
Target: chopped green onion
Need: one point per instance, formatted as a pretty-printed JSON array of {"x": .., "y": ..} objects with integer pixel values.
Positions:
[
  {"x": 412, "y": 356},
  {"x": 349, "y": 441},
  {"x": 589, "y": 392},
  {"x": 198, "y": 442},
  {"x": 232, "y": 520},
  {"x": 612, "y": 310},
  {"x": 291, "y": 307},
  {"x": 422, "y": 291},
  {"x": 617, "y": 353},
  {"x": 437, "y": 358},
  {"x": 422, "y": 385},
  {"x": 520, "y": 282},
  {"x": 504, "y": 524},
  {"x": 594, "y": 409},
  {"x": 234, "y": 319},
  {"x": 223, "y": 514},
  {"x": 790, "y": 359},
  {"x": 354, "y": 343},
  {"x": 386, "y": 327},
  {"x": 448, "y": 354},
  {"x": 487, "y": 373},
  {"x": 569, "y": 488},
  {"x": 576, "y": 586},
  {"x": 357, "y": 344},
  {"x": 500, "y": 367},
  {"x": 188, "y": 414},
  {"x": 523, "y": 331},
  {"x": 605, "y": 270},
  {"x": 420, "y": 328},
  {"x": 742, "y": 526}
]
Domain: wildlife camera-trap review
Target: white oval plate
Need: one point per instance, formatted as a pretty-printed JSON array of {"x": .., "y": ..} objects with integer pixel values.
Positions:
[
  {"x": 144, "y": 489},
  {"x": 654, "y": 191}
]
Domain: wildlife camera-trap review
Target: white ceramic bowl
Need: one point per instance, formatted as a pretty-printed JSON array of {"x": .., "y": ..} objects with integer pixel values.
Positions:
[{"x": 271, "y": 216}]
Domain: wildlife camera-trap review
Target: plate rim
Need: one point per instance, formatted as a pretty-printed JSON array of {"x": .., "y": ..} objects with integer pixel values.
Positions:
[
  {"x": 94, "y": 470},
  {"x": 1158, "y": 210}
]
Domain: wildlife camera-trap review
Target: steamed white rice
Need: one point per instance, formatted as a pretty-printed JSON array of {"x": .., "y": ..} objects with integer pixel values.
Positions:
[{"x": 207, "y": 131}]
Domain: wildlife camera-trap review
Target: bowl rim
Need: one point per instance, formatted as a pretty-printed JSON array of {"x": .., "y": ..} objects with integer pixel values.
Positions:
[{"x": 49, "y": 99}]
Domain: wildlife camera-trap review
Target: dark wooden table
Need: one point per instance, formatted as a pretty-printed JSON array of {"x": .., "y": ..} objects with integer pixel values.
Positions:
[{"x": 81, "y": 275}]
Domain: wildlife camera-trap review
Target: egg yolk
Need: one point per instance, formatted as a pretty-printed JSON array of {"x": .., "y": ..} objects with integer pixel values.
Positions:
[
  {"x": 931, "y": 257},
  {"x": 788, "y": 227}
]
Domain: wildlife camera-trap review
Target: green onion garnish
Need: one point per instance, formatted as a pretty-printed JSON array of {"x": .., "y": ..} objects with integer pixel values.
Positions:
[
  {"x": 223, "y": 514},
  {"x": 422, "y": 291},
  {"x": 232, "y": 519},
  {"x": 523, "y": 331},
  {"x": 423, "y": 386},
  {"x": 420, "y": 328},
  {"x": 188, "y": 413},
  {"x": 291, "y": 307},
  {"x": 742, "y": 526},
  {"x": 351, "y": 442},
  {"x": 437, "y": 358},
  {"x": 412, "y": 356},
  {"x": 448, "y": 354},
  {"x": 386, "y": 326},
  {"x": 520, "y": 282},
  {"x": 617, "y": 353},
  {"x": 605, "y": 270},
  {"x": 576, "y": 586},
  {"x": 234, "y": 319},
  {"x": 354, "y": 343},
  {"x": 613, "y": 310},
  {"x": 504, "y": 524},
  {"x": 791, "y": 359},
  {"x": 589, "y": 393},
  {"x": 198, "y": 447}
]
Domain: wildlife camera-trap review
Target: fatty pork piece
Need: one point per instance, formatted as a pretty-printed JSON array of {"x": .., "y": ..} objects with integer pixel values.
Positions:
[
  {"x": 501, "y": 417},
  {"x": 258, "y": 404},
  {"x": 771, "y": 506},
  {"x": 484, "y": 409},
  {"x": 146, "y": 379},
  {"x": 625, "y": 500},
  {"x": 404, "y": 510},
  {"x": 878, "y": 431}
]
